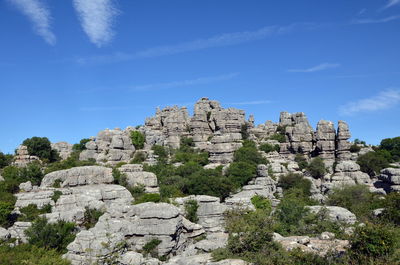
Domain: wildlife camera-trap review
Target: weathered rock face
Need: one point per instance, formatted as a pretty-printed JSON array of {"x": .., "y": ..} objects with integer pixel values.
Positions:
[
  {"x": 78, "y": 176},
  {"x": 335, "y": 214},
  {"x": 22, "y": 159},
  {"x": 109, "y": 147},
  {"x": 342, "y": 143},
  {"x": 321, "y": 245},
  {"x": 391, "y": 179},
  {"x": 298, "y": 131},
  {"x": 348, "y": 173},
  {"x": 325, "y": 137},
  {"x": 134, "y": 226},
  {"x": 64, "y": 149},
  {"x": 135, "y": 176},
  {"x": 167, "y": 126},
  {"x": 17, "y": 231},
  {"x": 223, "y": 147}
]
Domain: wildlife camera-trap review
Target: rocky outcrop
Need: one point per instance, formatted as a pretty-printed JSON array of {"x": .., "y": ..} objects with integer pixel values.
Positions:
[
  {"x": 322, "y": 245},
  {"x": 64, "y": 149},
  {"x": 78, "y": 176},
  {"x": 390, "y": 179},
  {"x": 22, "y": 158},
  {"x": 335, "y": 213},
  {"x": 223, "y": 147},
  {"x": 325, "y": 137},
  {"x": 109, "y": 147},
  {"x": 130, "y": 228},
  {"x": 17, "y": 231},
  {"x": 342, "y": 143},
  {"x": 348, "y": 173},
  {"x": 135, "y": 176}
]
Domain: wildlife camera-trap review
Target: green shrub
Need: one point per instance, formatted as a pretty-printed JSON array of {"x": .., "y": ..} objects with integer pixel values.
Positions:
[
  {"x": 267, "y": 148},
  {"x": 55, "y": 236},
  {"x": 391, "y": 213},
  {"x": 119, "y": 178},
  {"x": 278, "y": 137},
  {"x": 56, "y": 195},
  {"x": 91, "y": 217},
  {"x": 295, "y": 181},
  {"x": 5, "y": 159},
  {"x": 57, "y": 183},
  {"x": 41, "y": 147},
  {"x": 373, "y": 240},
  {"x": 31, "y": 212},
  {"x": 81, "y": 146},
  {"x": 26, "y": 254},
  {"x": 138, "y": 139},
  {"x": 301, "y": 161},
  {"x": 32, "y": 172},
  {"x": 392, "y": 145},
  {"x": 186, "y": 153},
  {"x": 150, "y": 247},
  {"x": 161, "y": 152},
  {"x": 138, "y": 158},
  {"x": 191, "y": 207},
  {"x": 137, "y": 191},
  {"x": 355, "y": 148},
  {"x": 7, "y": 219},
  {"x": 357, "y": 199},
  {"x": 262, "y": 203},
  {"x": 373, "y": 162},
  {"x": 148, "y": 197},
  {"x": 316, "y": 167},
  {"x": 70, "y": 162}
]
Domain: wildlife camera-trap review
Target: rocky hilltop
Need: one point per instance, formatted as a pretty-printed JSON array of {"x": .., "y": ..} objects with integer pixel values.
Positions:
[{"x": 121, "y": 179}]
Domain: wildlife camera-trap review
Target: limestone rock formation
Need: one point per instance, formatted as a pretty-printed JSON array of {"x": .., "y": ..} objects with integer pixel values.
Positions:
[
  {"x": 22, "y": 158},
  {"x": 109, "y": 147},
  {"x": 325, "y": 137},
  {"x": 391, "y": 179},
  {"x": 342, "y": 143},
  {"x": 78, "y": 176},
  {"x": 335, "y": 213},
  {"x": 64, "y": 149},
  {"x": 135, "y": 176}
]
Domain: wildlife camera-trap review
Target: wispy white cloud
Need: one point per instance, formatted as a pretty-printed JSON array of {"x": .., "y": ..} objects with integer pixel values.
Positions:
[
  {"x": 255, "y": 102},
  {"x": 320, "y": 67},
  {"x": 225, "y": 39},
  {"x": 375, "y": 21},
  {"x": 185, "y": 83},
  {"x": 391, "y": 3},
  {"x": 384, "y": 100},
  {"x": 97, "y": 18},
  {"x": 39, "y": 15},
  {"x": 362, "y": 11}
]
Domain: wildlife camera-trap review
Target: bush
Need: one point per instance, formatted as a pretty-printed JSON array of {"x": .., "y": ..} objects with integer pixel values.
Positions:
[
  {"x": 56, "y": 195},
  {"x": 150, "y": 247},
  {"x": 31, "y": 212},
  {"x": 355, "y": 148},
  {"x": 186, "y": 153},
  {"x": 262, "y": 203},
  {"x": 138, "y": 139},
  {"x": 161, "y": 152},
  {"x": 148, "y": 197},
  {"x": 5, "y": 159},
  {"x": 244, "y": 131},
  {"x": 41, "y": 147},
  {"x": 392, "y": 145},
  {"x": 391, "y": 213},
  {"x": 91, "y": 217},
  {"x": 29, "y": 255},
  {"x": 191, "y": 207},
  {"x": 373, "y": 162},
  {"x": 316, "y": 168},
  {"x": 81, "y": 146},
  {"x": 138, "y": 158},
  {"x": 32, "y": 172},
  {"x": 357, "y": 199},
  {"x": 267, "y": 148},
  {"x": 70, "y": 162},
  {"x": 278, "y": 137},
  {"x": 295, "y": 181},
  {"x": 55, "y": 236},
  {"x": 7, "y": 219},
  {"x": 373, "y": 240},
  {"x": 301, "y": 161}
]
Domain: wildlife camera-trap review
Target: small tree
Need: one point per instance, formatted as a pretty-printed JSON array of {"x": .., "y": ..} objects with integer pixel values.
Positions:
[
  {"x": 373, "y": 162},
  {"x": 41, "y": 147},
  {"x": 138, "y": 139},
  {"x": 191, "y": 207},
  {"x": 267, "y": 148},
  {"x": 317, "y": 167},
  {"x": 81, "y": 146}
]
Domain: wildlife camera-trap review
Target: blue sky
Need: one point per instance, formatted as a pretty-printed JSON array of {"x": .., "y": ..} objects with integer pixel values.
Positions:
[{"x": 71, "y": 68}]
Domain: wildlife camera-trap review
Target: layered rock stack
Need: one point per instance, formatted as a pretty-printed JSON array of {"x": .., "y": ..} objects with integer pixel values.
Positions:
[
  {"x": 109, "y": 146},
  {"x": 342, "y": 143},
  {"x": 325, "y": 137},
  {"x": 64, "y": 149},
  {"x": 22, "y": 159}
]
